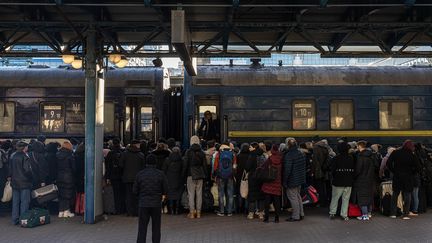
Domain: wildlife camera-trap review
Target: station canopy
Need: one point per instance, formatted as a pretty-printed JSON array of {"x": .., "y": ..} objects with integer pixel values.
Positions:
[{"x": 218, "y": 28}]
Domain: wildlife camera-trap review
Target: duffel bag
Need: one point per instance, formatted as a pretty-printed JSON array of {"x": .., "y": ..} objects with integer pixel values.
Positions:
[
  {"x": 34, "y": 217},
  {"x": 45, "y": 194}
]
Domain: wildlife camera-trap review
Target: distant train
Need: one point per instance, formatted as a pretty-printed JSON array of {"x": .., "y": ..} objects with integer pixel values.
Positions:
[{"x": 382, "y": 104}]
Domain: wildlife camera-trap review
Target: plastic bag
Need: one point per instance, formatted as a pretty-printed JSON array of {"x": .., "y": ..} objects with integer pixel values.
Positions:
[
  {"x": 7, "y": 193},
  {"x": 244, "y": 185}
]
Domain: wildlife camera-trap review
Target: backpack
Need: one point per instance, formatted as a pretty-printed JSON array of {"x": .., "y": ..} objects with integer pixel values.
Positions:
[
  {"x": 386, "y": 204},
  {"x": 207, "y": 200},
  {"x": 226, "y": 158},
  {"x": 196, "y": 158}
]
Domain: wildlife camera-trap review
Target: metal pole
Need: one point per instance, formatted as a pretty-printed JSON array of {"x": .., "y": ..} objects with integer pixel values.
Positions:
[{"x": 90, "y": 128}]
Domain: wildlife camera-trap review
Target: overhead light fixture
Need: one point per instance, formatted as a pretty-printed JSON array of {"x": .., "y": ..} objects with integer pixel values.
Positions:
[
  {"x": 115, "y": 58},
  {"x": 123, "y": 62},
  {"x": 68, "y": 58},
  {"x": 77, "y": 63}
]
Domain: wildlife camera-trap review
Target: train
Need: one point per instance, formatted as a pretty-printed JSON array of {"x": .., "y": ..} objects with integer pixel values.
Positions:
[{"x": 383, "y": 105}]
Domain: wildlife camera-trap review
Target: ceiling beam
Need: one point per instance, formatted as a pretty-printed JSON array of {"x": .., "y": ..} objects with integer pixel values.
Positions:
[
  {"x": 244, "y": 39},
  {"x": 305, "y": 35}
]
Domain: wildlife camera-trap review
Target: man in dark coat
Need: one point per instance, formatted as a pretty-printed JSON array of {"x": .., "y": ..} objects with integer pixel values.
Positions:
[
  {"x": 114, "y": 174},
  {"x": 255, "y": 196},
  {"x": 208, "y": 128},
  {"x": 294, "y": 177},
  {"x": 20, "y": 175},
  {"x": 173, "y": 169},
  {"x": 39, "y": 164},
  {"x": 320, "y": 160},
  {"x": 151, "y": 186},
  {"x": 131, "y": 162},
  {"x": 404, "y": 165},
  {"x": 66, "y": 170},
  {"x": 364, "y": 175}
]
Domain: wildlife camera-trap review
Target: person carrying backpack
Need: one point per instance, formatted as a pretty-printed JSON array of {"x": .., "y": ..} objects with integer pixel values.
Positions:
[
  {"x": 194, "y": 167},
  {"x": 224, "y": 167}
]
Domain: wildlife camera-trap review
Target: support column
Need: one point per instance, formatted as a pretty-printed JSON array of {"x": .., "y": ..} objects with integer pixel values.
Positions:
[{"x": 94, "y": 99}]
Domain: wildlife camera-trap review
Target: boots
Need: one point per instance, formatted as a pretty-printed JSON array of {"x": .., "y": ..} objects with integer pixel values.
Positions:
[
  {"x": 198, "y": 214},
  {"x": 68, "y": 214},
  {"x": 61, "y": 214},
  {"x": 261, "y": 215},
  {"x": 191, "y": 214}
]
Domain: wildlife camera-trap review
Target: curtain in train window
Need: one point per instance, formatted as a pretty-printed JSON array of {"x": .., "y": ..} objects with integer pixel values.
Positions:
[
  {"x": 52, "y": 117},
  {"x": 395, "y": 115},
  {"x": 304, "y": 115},
  {"x": 146, "y": 119},
  {"x": 7, "y": 116},
  {"x": 109, "y": 117},
  {"x": 342, "y": 114},
  {"x": 127, "y": 119}
]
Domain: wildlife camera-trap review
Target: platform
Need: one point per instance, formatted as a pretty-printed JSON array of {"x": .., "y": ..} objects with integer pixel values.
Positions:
[{"x": 178, "y": 229}]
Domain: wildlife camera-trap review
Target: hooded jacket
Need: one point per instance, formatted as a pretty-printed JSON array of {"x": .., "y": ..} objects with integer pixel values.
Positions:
[
  {"x": 150, "y": 185},
  {"x": 319, "y": 159},
  {"x": 161, "y": 155},
  {"x": 364, "y": 175},
  {"x": 39, "y": 163},
  {"x": 112, "y": 164},
  {"x": 404, "y": 165},
  {"x": 131, "y": 162},
  {"x": 342, "y": 167},
  {"x": 274, "y": 187},
  {"x": 20, "y": 171},
  {"x": 195, "y": 163},
  {"x": 294, "y": 168},
  {"x": 254, "y": 185},
  {"x": 66, "y": 168},
  {"x": 173, "y": 169}
]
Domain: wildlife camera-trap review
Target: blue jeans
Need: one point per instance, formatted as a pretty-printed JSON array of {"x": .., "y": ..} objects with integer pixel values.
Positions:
[
  {"x": 20, "y": 203},
  {"x": 415, "y": 204},
  {"x": 228, "y": 185}
]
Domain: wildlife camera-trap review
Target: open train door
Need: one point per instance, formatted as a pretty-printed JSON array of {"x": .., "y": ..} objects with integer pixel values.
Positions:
[{"x": 205, "y": 128}]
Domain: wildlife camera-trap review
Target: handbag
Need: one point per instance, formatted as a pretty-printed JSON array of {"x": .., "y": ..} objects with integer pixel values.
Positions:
[
  {"x": 7, "y": 192},
  {"x": 266, "y": 174},
  {"x": 244, "y": 185},
  {"x": 45, "y": 194},
  {"x": 354, "y": 210}
]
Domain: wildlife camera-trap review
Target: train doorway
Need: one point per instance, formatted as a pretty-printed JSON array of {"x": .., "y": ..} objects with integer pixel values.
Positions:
[
  {"x": 139, "y": 122},
  {"x": 207, "y": 117}
]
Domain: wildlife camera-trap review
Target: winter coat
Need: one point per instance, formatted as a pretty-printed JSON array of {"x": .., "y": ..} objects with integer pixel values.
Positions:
[
  {"x": 173, "y": 168},
  {"x": 66, "y": 168},
  {"x": 51, "y": 158},
  {"x": 364, "y": 175},
  {"x": 195, "y": 163},
  {"x": 39, "y": 164},
  {"x": 294, "y": 168},
  {"x": 342, "y": 167},
  {"x": 20, "y": 171},
  {"x": 319, "y": 159},
  {"x": 404, "y": 165},
  {"x": 254, "y": 185},
  {"x": 112, "y": 164},
  {"x": 274, "y": 187},
  {"x": 131, "y": 162},
  {"x": 150, "y": 184},
  {"x": 242, "y": 159},
  {"x": 80, "y": 168},
  {"x": 161, "y": 156},
  {"x": 208, "y": 129}
]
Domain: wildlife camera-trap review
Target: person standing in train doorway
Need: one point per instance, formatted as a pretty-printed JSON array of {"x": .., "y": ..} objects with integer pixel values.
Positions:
[
  {"x": 151, "y": 185},
  {"x": 208, "y": 128}
]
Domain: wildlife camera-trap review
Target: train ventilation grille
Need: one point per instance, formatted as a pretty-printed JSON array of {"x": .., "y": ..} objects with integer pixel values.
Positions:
[
  {"x": 207, "y": 81},
  {"x": 139, "y": 83}
]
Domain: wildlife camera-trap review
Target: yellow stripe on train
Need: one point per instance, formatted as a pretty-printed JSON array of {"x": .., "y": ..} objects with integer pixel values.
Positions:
[{"x": 381, "y": 133}]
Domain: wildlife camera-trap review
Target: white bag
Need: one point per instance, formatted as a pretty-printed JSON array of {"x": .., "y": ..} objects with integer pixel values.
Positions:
[
  {"x": 244, "y": 185},
  {"x": 7, "y": 192}
]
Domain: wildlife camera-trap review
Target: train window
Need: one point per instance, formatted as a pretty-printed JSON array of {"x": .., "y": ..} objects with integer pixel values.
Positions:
[
  {"x": 109, "y": 117},
  {"x": 304, "y": 115},
  {"x": 146, "y": 119},
  {"x": 395, "y": 115},
  {"x": 204, "y": 108},
  {"x": 342, "y": 114},
  {"x": 7, "y": 116},
  {"x": 128, "y": 118},
  {"x": 52, "y": 117}
]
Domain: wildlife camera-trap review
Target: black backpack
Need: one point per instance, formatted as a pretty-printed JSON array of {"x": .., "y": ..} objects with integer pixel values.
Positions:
[
  {"x": 207, "y": 200},
  {"x": 386, "y": 204}
]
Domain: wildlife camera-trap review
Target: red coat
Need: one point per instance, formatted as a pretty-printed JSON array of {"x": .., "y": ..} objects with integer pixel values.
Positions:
[{"x": 274, "y": 187}]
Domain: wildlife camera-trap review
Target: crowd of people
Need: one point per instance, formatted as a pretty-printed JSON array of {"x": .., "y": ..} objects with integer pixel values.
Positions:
[{"x": 151, "y": 178}]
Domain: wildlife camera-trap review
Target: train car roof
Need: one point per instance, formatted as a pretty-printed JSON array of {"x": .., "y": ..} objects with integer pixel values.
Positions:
[
  {"x": 313, "y": 75},
  {"x": 64, "y": 77}
]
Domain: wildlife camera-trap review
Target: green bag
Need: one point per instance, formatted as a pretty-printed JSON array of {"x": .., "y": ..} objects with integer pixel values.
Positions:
[{"x": 34, "y": 217}]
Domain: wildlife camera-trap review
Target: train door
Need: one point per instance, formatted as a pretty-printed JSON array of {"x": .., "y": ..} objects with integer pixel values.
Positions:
[
  {"x": 207, "y": 129},
  {"x": 139, "y": 122}
]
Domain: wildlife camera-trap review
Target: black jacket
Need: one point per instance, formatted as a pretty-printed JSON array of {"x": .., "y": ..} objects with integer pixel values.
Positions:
[
  {"x": 66, "y": 168},
  {"x": 195, "y": 163},
  {"x": 112, "y": 164},
  {"x": 51, "y": 158},
  {"x": 20, "y": 171},
  {"x": 254, "y": 185},
  {"x": 342, "y": 167},
  {"x": 39, "y": 163},
  {"x": 131, "y": 161},
  {"x": 404, "y": 165},
  {"x": 319, "y": 159},
  {"x": 150, "y": 184},
  {"x": 161, "y": 156},
  {"x": 294, "y": 164},
  {"x": 80, "y": 168},
  {"x": 173, "y": 169},
  {"x": 208, "y": 129},
  {"x": 364, "y": 175},
  {"x": 242, "y": 159}
]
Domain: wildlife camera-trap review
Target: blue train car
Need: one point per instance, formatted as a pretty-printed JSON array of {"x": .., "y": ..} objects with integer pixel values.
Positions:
[{"x": 381, "y": 104}]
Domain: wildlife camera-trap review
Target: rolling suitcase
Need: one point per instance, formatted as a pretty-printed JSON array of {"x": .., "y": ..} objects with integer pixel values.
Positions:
[
  {"x": 45, "y": 194},
  {"x": 34, "y": 217}
]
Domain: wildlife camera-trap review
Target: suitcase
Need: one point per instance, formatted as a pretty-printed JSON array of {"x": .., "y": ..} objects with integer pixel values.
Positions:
[
  {"x": 45, "y": 194},
  {"x": 34, "y": 217},
  {"x": 108, "y": 200}
]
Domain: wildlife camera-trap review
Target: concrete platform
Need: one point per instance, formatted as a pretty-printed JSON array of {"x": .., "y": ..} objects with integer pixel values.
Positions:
[{"x": 178, "y": 229}]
